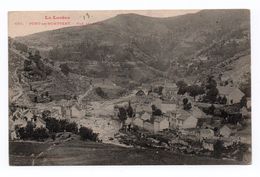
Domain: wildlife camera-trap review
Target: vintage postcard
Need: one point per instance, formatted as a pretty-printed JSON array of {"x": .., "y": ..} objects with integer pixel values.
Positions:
[{"x": 146, "y": 87}]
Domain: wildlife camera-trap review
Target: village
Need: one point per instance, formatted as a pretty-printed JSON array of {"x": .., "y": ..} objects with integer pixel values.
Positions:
[
  {"x": 191, "y": 124},
  {"x": 211, "y": 120},
  {"x": 207, "y": 116}
]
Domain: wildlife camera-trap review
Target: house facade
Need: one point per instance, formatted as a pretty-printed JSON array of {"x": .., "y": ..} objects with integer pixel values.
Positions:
[
  {"x": 165, "y": 108},
  {"x": 161, "y": 124},
  {"x": 225, "y": 131},
  {"x": 232, "y": 94},
  {"x": 66, "y": 112},
  {"x": 206, "y": 133},
  {"x": 39, "y": 123},
  {"x": 152, "y": 124},
  {"x": 138, "y": 122},
  {"x": 156, "y": 124},
  {"x": 76, "y": 112},
  {"x": 184, "y": 120}
]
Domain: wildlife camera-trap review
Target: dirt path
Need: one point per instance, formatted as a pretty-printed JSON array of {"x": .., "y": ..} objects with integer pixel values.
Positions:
[
  {"x": 81, "y": 97},
  {"x": 18, "y": 88},
  {"x": 42, "y": 153}
]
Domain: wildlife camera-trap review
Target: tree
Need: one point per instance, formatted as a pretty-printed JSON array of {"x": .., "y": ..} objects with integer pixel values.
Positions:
[
  {"x": 219, "y": 99},
  {"x": 211, "y": 109},
  {"x": 181, "y": 83},
  {"x": 211, "y": 83},
  {"x": 182, "y": 87},
  {"x": 211, "y": 95},
  {"x": 182, "y": 90},
  {"x": 185, "y": 101},
  {"x": 156, "y": 111},
  {"x": 22, "y": 133},
  {"x": 87, "y": 134},
  {"x": 65, "y": 69},
  {"x": 122, "y": 115},
  {"x": 46, "y": 114},
  {"x": 29, "y": 129},
  {"x": 158, "y": 90},
  {"x": 72, "y": 127},
  {"x": 20, "y": 46},
  {"x": 27, "y": 65},
  {"x": 35, "y": 100},
  {"x": 130, "y": 111},
  {"x": 224, "y": 100},
  {"x": 63, "y": 124},
  {"x": 52, "y": 125},
  {"x": 218, "y": 148},
  {"x": 187, "y": 106},
  {"x": 40, "y": 134},
  {"x": 195, "y": 90},
  {"x": 243, "y": 102},
  {"x": 100, "y": 92}
]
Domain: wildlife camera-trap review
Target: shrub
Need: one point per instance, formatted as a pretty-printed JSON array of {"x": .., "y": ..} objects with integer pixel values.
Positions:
[
  {"x": 88, "y": 134},
  {"x": 28, "y": 133},
  {"x": 100, "y": 92},
  {"x": 53, "y": 125},
  {"x": 22, "y": 133},
  {"x": 20, "y": 46},
  {"x": 65, "y": 69},
  {"x": 187, "y": 106},
  {"x": 156, "y": 111},
  {"x": 46, "y": 114},
  {"x": 63, "y": 124},
  {"x": 122, "y": 115},
  {"x": 72, "y": 127},
  {"x": 40, "y": 134}
]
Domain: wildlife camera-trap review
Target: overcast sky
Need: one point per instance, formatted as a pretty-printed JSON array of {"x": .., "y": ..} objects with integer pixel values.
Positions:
[{"x": 25, "y": 23}]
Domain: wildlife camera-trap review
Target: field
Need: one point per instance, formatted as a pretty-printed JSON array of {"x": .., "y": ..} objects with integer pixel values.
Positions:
[
  {"x": 23, "y": 153},
  {"x": 78, "y": 152}
]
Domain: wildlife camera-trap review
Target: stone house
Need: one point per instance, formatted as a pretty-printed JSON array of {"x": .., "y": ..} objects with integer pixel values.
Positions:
[
  {"x": 138, "y": 122},
  {"x": 206, "y": 133},
  {"x": 156, "y": 124},
  {"x": 140, "y": 93},
  {"x": 28, "y": 115},
  {"x": 169, "y": 91},
  {"x": 39, "y": 123},
  {"x": 184, "y": 120},
  {"x": 208, "y": 144},
  {"x": 166, "y": 108},
  {"x": 66, "y": 112},
  {"x": 76, "y": 112},
  {"x": 225, "y": 131},
  {"x": 232, "y": 94}
]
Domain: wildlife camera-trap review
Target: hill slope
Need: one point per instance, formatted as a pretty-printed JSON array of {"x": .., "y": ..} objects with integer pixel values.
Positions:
[{"x": 138, "y": 48}]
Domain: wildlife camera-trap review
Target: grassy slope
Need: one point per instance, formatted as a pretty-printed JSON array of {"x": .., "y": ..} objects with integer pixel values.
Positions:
[
  {"x": 89, "y": 153},
  {"x": 23, "y": 153}
]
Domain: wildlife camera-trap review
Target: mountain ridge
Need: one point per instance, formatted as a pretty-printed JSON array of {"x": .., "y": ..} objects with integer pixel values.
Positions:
[{"x": 150, "y": 42}]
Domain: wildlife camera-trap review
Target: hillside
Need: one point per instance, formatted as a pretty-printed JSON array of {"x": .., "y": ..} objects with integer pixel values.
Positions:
[{"x": 142, "y": 49}]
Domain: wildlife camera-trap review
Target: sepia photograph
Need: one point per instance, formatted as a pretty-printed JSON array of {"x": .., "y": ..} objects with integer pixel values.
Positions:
[{"x": 129, "y": 87}]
